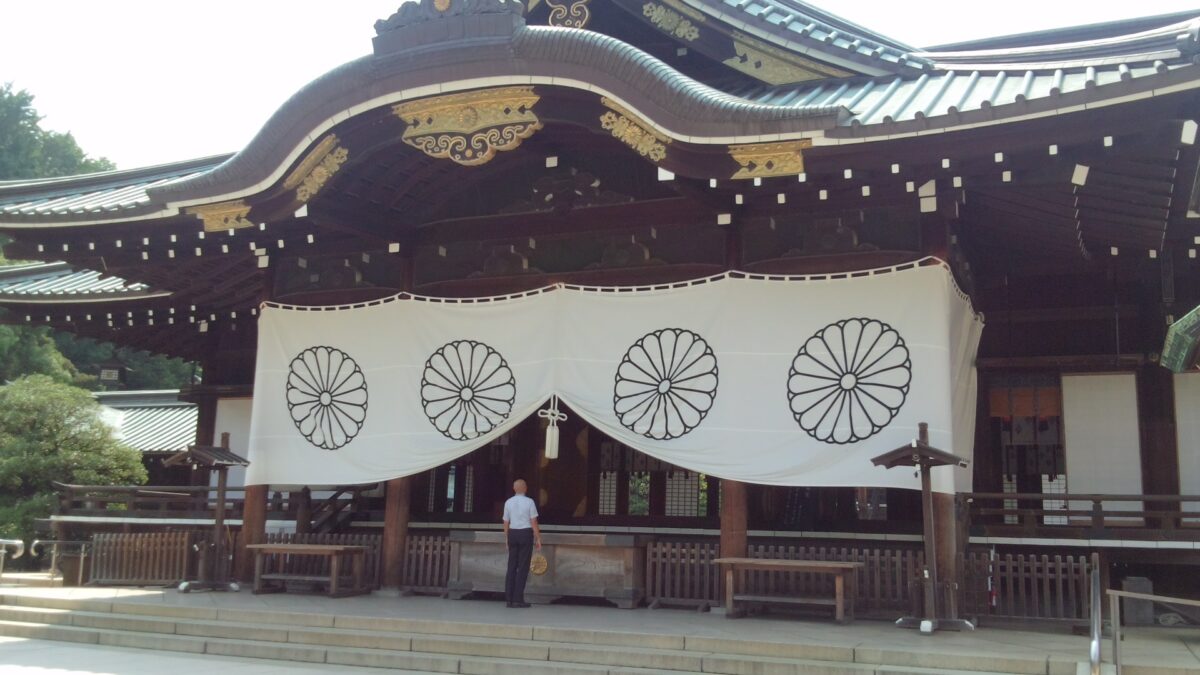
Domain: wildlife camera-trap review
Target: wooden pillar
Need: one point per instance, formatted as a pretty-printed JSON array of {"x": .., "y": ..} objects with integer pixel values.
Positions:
[
  {"x": 733, "y": 519},
  {"x": 395, "y": 531},
  {"x": 946, "y": 525},
  {"x": 303, "y": 499},
  {"x": 254, "y": 528},
  {"x": 1157, "y": 434}
]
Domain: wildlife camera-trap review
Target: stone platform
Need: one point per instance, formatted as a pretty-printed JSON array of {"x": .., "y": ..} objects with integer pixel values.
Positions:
[{"x": 426, "y": 634}]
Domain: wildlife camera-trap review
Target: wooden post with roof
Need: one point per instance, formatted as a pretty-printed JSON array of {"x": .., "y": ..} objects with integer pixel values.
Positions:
[
  {"x": 921, "y": 454},
  {"x": 216, "y": 459}
]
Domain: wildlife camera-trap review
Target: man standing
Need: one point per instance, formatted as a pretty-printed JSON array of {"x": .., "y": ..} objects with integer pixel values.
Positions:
[{"x": 521, "y": 534}]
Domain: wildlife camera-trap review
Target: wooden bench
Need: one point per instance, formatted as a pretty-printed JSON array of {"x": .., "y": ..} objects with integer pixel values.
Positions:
[
  {"x": 267, "y": 580},
  {"x": 843, "y": 573}
]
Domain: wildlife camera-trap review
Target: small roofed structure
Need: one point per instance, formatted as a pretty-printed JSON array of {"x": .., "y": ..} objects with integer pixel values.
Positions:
[
  {"x": 218, "y": 459},
  {"x": 920, "y": 454}
]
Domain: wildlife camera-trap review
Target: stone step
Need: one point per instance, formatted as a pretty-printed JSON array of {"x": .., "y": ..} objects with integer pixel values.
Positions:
[
  {"x": 541, "y": 645},
  {"x": 407, "y": 661}
]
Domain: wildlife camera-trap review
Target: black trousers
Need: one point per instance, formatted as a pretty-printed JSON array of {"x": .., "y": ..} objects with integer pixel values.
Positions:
[{"x": 520, "y": 550}]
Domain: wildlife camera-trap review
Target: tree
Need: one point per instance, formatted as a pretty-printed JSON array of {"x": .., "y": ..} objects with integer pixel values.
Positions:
[
  {"x": 53, "y": 432},
  {"x": 29, "y": 151}
]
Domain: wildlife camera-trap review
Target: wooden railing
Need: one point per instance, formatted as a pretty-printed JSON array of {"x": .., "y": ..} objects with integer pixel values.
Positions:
[
  {"x": 192, "y": 501},
  {"x": 142, "y": 559},
  {"x": 1025, "y": 586},
  {"x": 682, "y": 573},
  {"x": 427, "y": 563},
  {"x": 1089, "y": 515},
  {"x": 134, "y": 501}
]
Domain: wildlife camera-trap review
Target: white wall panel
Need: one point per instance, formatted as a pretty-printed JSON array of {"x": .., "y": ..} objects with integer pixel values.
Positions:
[{"x": 1100, "y": 420}]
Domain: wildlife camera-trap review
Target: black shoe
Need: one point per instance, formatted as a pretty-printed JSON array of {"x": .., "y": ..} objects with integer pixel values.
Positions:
[
  {"x": 510, "y": 605},
  {"x": 520, "y": 605}
]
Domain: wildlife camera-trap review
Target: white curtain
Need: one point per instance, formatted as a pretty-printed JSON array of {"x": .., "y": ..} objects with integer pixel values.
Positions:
[{"x": 778, "y": 380}]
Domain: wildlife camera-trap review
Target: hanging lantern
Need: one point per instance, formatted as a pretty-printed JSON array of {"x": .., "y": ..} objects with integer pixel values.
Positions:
[{"x": 554, "y": 416}]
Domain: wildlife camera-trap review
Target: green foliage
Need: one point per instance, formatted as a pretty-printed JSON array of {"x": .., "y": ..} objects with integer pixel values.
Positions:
[
  {"x": 29, "y": 151},
  {"x": 144, "y": 370},
  {"x": 51, "y": 431},
  {"x": 27, "y": 350}
]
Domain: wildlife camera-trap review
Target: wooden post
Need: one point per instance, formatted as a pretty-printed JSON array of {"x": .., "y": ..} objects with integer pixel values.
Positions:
[
  {"x": 303, "y": 499},
  {"x": 254, "y": 527},
  {"x": 1159, "y": 446},
  {"x": 218, "y": 571},
  {"x": 395, "y": 531},
  {"x": 733, "y": 519}
]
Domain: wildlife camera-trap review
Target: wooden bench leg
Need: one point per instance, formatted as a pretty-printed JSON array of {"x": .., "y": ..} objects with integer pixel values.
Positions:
[
  {"x": 258, "y": 572},
  {"x": 729, "y": 577},
  {"x": 839, "y": 607}
]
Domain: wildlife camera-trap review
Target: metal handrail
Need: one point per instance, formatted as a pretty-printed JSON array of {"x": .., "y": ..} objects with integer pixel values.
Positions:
[
  {"x": 1114, "y": 599},
  {"x": 5, "y": 544},
  {"x": 1097, "y": 625}
]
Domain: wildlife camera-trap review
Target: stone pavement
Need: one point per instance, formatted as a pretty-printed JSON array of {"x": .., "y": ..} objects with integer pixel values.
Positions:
[{"x": 19, "y": 656}]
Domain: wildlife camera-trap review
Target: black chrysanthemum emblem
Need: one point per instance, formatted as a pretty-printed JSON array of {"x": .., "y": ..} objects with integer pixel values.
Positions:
[
  {"x": 849, "y": 380},
  {"x": 326, "y": 396},
  {"x": 467, "y": 389},
  {"x": 666, "y": 384}
]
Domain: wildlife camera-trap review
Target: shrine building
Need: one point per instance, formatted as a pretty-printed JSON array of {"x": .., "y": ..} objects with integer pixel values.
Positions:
[{"x": 685, "y": 266}]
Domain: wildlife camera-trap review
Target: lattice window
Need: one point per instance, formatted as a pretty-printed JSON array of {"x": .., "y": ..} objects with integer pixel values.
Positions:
[
  {"x": 450, "y": 488},
  {"x": 608, "y": 493},
  {"x": 1010, "y": 487},
  {"x": 431, "y": 501},
  {"x": 684, "y": 493},
  {"x": 1056, "y": 485},
  {"x": 639, "y": 493},
  {"x": 469, "y": 490}
]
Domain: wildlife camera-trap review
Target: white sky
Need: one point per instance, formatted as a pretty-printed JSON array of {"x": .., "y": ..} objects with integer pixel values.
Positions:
[{"x": 150, "y": 81}]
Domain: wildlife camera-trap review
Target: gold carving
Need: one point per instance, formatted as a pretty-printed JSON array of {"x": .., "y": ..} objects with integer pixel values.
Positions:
[
  {"x": 538, "y": 564},
  {"x": 470, "y": 128},
  {"x": 625, "y": 127},
  {"x": 441, "y": 5},
  {"x": 759, "y": 160},
  {"x": 223, "y": 216},
  {"x": 775, "y": 66},
  {"x": 574, "y": 15},
  {"x": 317, "y": 168},
  {"x": 671, "y": 22}
]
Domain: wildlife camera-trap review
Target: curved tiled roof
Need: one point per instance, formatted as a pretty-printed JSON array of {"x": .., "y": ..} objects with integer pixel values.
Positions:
[
  {"x": 932, "y": 91},
  {"x": 100, "y": 193},
  {"x": 60, "y": 282},
  {"x": 801, "y": 27},
  {"x": 151, "y": 421},
  {"x": 896, "y": 99}
]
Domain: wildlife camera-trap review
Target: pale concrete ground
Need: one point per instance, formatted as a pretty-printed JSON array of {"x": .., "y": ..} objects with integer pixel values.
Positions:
[
  {"x": 19, "y": 656},
  {"x": 1151, "y": 646}
]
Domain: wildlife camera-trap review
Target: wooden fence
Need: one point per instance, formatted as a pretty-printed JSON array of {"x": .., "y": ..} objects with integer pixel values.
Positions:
[
  {"x": 682, "y": 573},
  {"x": 1025, "y": 586},
  {"x": 319, "y": 565},
  {"x": 141, "y": 559},
  {"x": 427, "y": 563}
]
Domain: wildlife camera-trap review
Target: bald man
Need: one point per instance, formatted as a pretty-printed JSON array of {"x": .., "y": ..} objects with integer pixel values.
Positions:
[{"x": 521, "y": 534}]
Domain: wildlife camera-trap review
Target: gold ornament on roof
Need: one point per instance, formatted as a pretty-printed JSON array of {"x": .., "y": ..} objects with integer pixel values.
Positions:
[
  {"x": 569, "y": 15},
  {"x": 625, "y": 127},
  {"x": 470, "y": 128},
  {"x": 775, "y": 66},
  {"x": 670, "y": 21},
  {"x": 441, "y": 5},
  {"x": 317, "y": 168},
  {"x": 222, "y": 216},
  {"x": 760, "y": 160}
]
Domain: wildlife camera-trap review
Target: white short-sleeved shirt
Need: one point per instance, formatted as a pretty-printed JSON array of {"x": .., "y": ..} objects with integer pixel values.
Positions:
[{"x": 519, "y": 510}]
